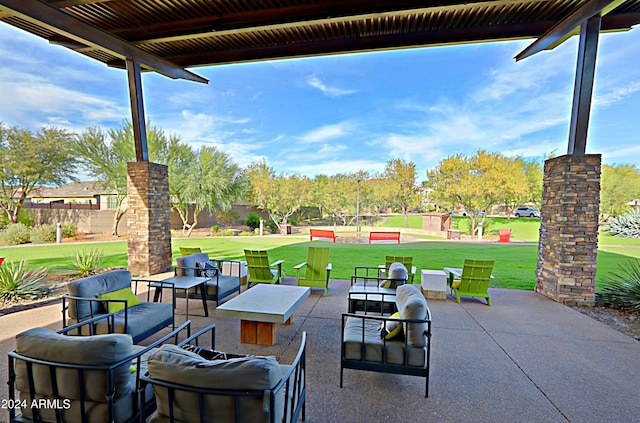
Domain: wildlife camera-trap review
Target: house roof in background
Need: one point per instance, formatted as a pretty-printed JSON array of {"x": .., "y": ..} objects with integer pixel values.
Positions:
[{"x": 86, "y": 189}]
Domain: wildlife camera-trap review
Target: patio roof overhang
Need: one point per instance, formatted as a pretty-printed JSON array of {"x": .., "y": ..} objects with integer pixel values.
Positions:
[{"x": 167, "y": 36}]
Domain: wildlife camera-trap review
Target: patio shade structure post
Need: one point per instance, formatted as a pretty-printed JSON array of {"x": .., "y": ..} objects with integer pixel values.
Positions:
[{"x": 568, "y": 244}]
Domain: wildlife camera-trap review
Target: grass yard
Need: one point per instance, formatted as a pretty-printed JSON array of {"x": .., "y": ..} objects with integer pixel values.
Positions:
[{"x": 514, "y": 269}]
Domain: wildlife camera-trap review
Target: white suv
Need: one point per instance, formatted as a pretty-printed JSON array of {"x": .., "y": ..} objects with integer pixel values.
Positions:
[{"x": 526, "y": 212}]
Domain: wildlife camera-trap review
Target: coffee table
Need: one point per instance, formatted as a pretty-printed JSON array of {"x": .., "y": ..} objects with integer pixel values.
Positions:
[
  {"x": 184, "y": 283},
  {"x": 259, "y": 309}
]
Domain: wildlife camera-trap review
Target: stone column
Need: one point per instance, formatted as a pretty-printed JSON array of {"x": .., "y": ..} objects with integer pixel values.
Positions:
[
  {"x": 148, "y": 217},
  {"x": 568, "y": 246}
]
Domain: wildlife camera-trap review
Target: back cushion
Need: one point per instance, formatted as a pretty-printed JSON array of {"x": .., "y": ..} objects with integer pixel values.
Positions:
[
  {"x": 173, "y": 364},
  {"x": 189, "y": 262},
  {"x": 412, "y": 305},
  {"x": 91, "y": 287},
  {"x": 45, "y": 344},
  {"x": 397, "y": 271}
]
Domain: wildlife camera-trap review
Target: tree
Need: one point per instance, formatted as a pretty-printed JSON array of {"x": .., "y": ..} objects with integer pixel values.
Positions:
[
  {"x": 476, "y": 182},
  {"x": 279, "y": 195},
  {"x": 28, "y": 160},
  {"x": 337, "y": 195},
  {"x": 619, "y": 184},
  {"x": 525, "y": 185},
  {"x": 105, "y": 158},
  {"x": 400, "y": 184},
  {"x": 212, "y": 182}
]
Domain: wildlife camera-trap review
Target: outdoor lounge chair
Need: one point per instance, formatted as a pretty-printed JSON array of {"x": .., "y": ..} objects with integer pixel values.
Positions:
[
  {"x": 220, "y": 285},
  {"x": 474, "y": 281},
  {"x": 260, "y": 270},
  {"x": 317, "y": 269},
  {"x": 204, "y": 385},
  {"x": 56, "y": 377},
  {"x": 408, "y": 263},
  {"x": 365, "y": 347}
]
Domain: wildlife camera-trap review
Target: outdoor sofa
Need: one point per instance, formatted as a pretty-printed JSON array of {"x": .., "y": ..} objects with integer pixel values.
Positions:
[{"x": 97, "y": 295}]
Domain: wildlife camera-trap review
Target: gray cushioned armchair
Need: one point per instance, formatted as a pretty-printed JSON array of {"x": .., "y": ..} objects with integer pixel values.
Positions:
[
  {"x": 139, "y": 321},
  {"x": 56, "y": 377},
  {"x": 219, "y": 285}
]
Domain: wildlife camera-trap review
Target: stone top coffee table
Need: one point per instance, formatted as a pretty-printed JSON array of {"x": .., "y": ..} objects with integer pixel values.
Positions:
[{"x": 259, "y": 309}]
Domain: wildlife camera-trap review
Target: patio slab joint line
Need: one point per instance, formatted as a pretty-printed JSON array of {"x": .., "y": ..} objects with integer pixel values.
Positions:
[{"x": 516, "y": 364}]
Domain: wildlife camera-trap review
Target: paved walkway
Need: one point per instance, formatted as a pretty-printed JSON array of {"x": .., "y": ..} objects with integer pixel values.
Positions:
[{"x": 524, "y": 359}]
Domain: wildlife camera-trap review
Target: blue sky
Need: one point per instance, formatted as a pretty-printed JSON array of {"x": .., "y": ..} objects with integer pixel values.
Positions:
[{"x": 347, "y": 112}]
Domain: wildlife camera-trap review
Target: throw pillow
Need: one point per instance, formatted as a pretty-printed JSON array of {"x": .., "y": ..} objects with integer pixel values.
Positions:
[
  {"x": 209, "y": 354},
  {"x": 208, "y": 269},
  {"x": 390, "y": 329},
  {"x": 121, "y": 294}
]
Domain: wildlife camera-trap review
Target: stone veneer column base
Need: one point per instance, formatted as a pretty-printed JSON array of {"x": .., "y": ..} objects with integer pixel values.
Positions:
[
  {"x": 148, "y": 217},
  {"x": 568, "y": 246}
]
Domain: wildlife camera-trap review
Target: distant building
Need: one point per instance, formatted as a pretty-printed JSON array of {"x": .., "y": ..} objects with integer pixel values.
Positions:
[{"x": 89, "y": 193}]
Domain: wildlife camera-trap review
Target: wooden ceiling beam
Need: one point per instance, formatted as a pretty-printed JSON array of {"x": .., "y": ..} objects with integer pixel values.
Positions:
[{"x": 40, "y": 13}]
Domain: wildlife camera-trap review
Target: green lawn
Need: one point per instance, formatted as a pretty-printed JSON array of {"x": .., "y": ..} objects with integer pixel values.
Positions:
[{"x": 515, "y": 263}]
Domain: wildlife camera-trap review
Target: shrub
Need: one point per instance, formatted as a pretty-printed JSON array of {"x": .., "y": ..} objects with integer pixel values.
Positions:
[
  {"x": 227, "y": 217},
  {"x": 228, "y": 232},
  {"x": 293, "y": 220},
  {"x": 17, "y": 282},
  {"x": 273, "y": 228},
  {"x": 245, "y": 233},
  {"x": 86, "y": 262},
  {"x": 627, "y": 225},
  {"x": 310, "y": 216},
  {"x": 622, "y": 289},
  {"x": 43, "y": 234},
  {"x": 15, "y": 234},
  {"x": 215, "y": 229},
  {"x": 69, "y": 229},
  {"x": 252, "y": 221}
]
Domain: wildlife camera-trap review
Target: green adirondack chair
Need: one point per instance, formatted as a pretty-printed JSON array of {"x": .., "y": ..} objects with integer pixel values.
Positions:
[
  {"x": 317, "y": 269},
  {"x": 260, "y": 270},
  {"x": 407, "y": 261},
  {"x": 474, "y": 281},
  {"x": 187, "y": 251}
]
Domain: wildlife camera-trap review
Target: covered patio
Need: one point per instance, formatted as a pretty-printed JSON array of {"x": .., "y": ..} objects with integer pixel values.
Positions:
[
  {"x": 526, "y": 358},
  {"x": 166, "y": 37}
]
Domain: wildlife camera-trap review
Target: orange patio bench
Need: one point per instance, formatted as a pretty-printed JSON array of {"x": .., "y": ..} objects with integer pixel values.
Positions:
[
  {"x": 322, "y": 233},
  {"x": 384, "y": 236}
]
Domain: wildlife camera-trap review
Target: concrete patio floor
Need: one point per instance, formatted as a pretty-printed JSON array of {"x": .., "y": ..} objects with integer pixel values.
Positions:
[{"x": 524, "y": 359}]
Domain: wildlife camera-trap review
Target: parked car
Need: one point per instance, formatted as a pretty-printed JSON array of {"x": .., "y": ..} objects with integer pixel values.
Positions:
[{"x": 526, "y": 212}]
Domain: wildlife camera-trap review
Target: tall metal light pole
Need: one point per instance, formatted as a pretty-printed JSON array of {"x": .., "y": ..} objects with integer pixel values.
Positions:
[{"x": 358, "y": 209}]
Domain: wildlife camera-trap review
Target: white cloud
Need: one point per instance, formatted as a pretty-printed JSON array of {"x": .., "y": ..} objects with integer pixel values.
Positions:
[
  {"x": 336, "y": 166},
  {"x": 332, "y": 92},
  {"x": 327, "y": 132}
]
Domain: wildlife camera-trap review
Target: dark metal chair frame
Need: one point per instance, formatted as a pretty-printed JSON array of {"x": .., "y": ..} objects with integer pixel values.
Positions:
[
  {"x": 297, "y": 372},
  {"x": 145, "y": 409},
  {"x": 384, "y": 366}
]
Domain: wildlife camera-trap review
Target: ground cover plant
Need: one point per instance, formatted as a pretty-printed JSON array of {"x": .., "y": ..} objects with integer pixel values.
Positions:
[{"x": 19, "y": 281}]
